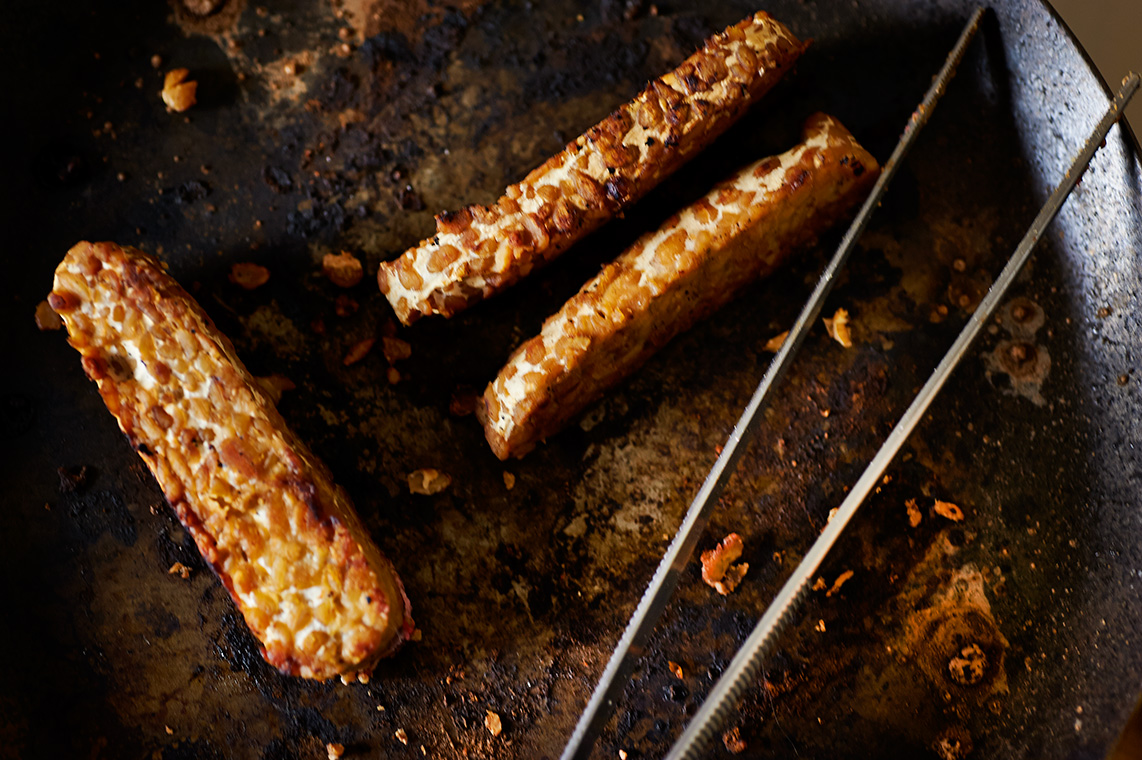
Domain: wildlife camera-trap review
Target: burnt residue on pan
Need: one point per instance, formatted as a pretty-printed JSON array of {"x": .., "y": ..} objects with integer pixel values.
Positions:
[{"x": 326, "y": 126}]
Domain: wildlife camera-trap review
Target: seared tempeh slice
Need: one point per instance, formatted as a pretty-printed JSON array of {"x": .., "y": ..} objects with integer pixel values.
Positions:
[
  {"x": 285, "y": 540},
  {"x": 672, "y": 277},
  {"x": 480, "y": 250}
]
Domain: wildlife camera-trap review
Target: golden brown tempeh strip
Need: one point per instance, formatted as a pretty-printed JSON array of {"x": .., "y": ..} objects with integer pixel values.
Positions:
[
  {"x": 480, "y": 250},
  {"x": 672, "y": 277},
  {"x": 284, "y": 540}
]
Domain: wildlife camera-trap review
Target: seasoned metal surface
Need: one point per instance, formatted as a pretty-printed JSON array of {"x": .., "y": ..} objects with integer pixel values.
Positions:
[{"x": 521, "y": 593}]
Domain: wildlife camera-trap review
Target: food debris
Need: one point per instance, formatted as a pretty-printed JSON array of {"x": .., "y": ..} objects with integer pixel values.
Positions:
[
  {"x": 676, "y": 669},
  {"x": 914, "y": 515},
  {"x": 392, "y": 374},
  {"x": 509, "y": 481},
  {"x": 838, "y": 328},
  {"x": 248, "y": 275},
  {"x": 358, "y": 351},
  {"x": 775, "y": 343},
  {"x": 428, "y": 481},
  {"x": 417, "y": 635},
  {"x": 401, "y": 736},
  {"x": 493, "y": 723},
  {"x": 820, "y": 627},
  {"x": 718, "y": 569},
  {"x": 344, "y": 306},
  {"x": 396, "y": 349},
  {"x": 820, "y": 585},
  {"x": 73, "y": 479},
  {"x": 840, "y": 581},
  {"x": 179, "y": 569},
  {"x": 179, "y": 93},
  {"x": 46, "y": 317},
  {"x": 343, "y": 270},
  {"x": 170, "y": 731},
  {"x": 622, "y": 754},
  {"x": 969, "y": 666},
  {"x": 733, "y": 740},
  {"x": 275, "y": 385},
  {"x": 334, "y": 750},
  {"x": 949, "y": 510}
]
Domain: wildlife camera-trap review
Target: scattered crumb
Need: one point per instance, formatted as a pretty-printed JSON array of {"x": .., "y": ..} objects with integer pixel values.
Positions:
[
  {"x": 428, "y": 481},
  {"x": 969, "y": 666},
  {"x": 493, "y": 723},
  {"x": 838, "y": 328},
  {"x": 949, "y": 510},
  {"x": 914, "y": 515},
  {"x": 344, "y": 269},
  {"x": 170, "y": 731},
  {"x": 396, "y": 349},
  {"x": 249, "y": 276},
  {"x": 733, "y": 740},
  {"x": 622, "y": 754},
  {"x": 509, "y": 481},
  {"x": 392, "y": 374},
  {"x": 363, "y": 677},
  {"x": 334, "y": 750},
  {"x": 832, "y": 514},
  {"x": 46, "y": 317},
  {"x": 401, "y": 736},
  {"x": 345, "y": 306},
  {"x": 840, "y": 581},
  {"x": 820, "y": 585},
  {"x": 156, "y": 61},
  {"x": 358, "y": 351},
  {"x": 380, "y": 708},
  {"x": 275, "y": 385},
  {"x": 820, "y": 627},
  {"x": 416, "y": 635},
  {"x": 718, "y": 569},
  {"x": 178, "y": 92},
  {"x": 179, "y": 569},
  {"x": 775, "y": 343},
  {"x": 464, "y": 401}
]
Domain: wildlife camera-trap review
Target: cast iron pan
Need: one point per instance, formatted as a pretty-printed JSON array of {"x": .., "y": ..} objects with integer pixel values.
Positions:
[{"x": 520, "y": 594}]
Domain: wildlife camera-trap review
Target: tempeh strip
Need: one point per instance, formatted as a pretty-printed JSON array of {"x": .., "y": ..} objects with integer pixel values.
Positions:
[
  {"x": 285, "y": 541},
  {"x": 672, "y": 277},
  {"x": 481, "y": 250}
]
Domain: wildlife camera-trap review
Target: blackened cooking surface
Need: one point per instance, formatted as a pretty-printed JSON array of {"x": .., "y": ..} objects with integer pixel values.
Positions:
[{"x": 521, "y": 594}]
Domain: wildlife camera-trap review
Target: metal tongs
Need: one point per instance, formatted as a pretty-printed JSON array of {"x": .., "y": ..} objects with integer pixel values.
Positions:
[{"x": 745, "y": 665}]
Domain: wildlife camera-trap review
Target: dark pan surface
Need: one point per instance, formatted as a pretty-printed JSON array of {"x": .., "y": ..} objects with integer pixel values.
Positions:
[{"x": 521, "y": 594}]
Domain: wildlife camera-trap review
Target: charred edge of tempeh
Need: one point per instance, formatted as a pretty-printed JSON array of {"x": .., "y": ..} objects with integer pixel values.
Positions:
[
  {"x": 480, "y": 250},
  {"x": 672, "y": 277},
  {"x": 263, "y": 510}
]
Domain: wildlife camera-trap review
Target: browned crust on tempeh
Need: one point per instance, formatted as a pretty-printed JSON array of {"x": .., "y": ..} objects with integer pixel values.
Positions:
[
  {"x": 263, "y": 510},
  {"x": 480, "y": 250},
  {"x": 672, "y": 277}
]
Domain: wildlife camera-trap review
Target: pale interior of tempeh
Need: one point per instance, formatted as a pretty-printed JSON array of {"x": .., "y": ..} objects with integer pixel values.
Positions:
[
  {"x": 262, "y": 509},
  {"x": 671, "y": 277},
  {"x": 444, "y": 273}
]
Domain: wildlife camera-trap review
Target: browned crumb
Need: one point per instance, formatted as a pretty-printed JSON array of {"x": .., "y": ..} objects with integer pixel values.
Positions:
[
  {"x": 775, "y": 343},
  {"x": 396, "y": 349},
  {"x": 509, "y": 481},
  {"x": 949, "y": 510},
  {"x": 156, "y": 61},
  {"x": 392, "y": 374},
  {"x": 733, "y": 740},
  {"x": 417, "y": 635},
  {"x": 838, "y": 328},
  {"x": 676, "y": 669},
  {"x": 344, "y": 269},
  {"x": 428, "y": 481},
  {"x": 358, "y": 351},
  {"x": 170, "y": 731},
  {"x": 275, "y": 385},
  {"x": 840, "y": 581},
  {"x": 345, "y": 306},
  {"x": 179, "y": 92},
  {"x": 969, "y": 666},
  {"x": 622, "y": 754},
  {"x": 248, "y": 275},
  {"x": 820, "y": 585},
  {"x": 179, "y": 569},
  {"x": 914, "y": 515},
  {"x": 464, "y": 401},
  {"x": 820, "y": 627},
  {"x": 401, "y": 736},
  {"x": 46, "y": 317},
  {"x": 493, "y": 723},
  {"x": 334, "y": 750},
  {"x": 718, "y": 569}
]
